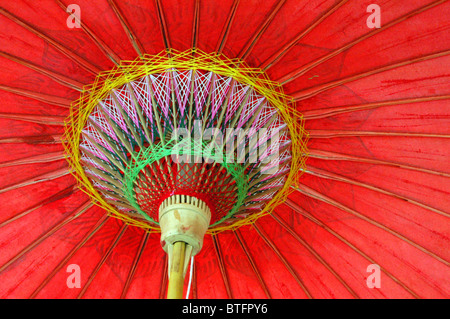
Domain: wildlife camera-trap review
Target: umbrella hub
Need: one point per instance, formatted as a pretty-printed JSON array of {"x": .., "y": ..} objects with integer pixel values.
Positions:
[{"x": 183, "y": 218}]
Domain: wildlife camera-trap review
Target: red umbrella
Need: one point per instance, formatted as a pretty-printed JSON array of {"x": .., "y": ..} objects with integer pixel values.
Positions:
[{"x": 367, "y": 217}]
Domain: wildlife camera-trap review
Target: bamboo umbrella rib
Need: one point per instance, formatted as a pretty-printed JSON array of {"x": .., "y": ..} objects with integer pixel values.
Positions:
[
  {"x": 36, "y": 159},
  {"x": 119, "y": 150},
  {"x": 333, "y": 111},
  {"x": 127, "y": 28},
  {"x": 262, "y": 193},
  {"x": 105, "y": 165},
  {"x": 173, "y": 99},
  {"x": 41, "y": 97},
  {"x": 239, "y": 111},
  {"x": 97, "y": 41},
  {"x": 154, "y": 107},
  {"x": 309, "y": 216},
  {"x": 61, "y": 79},
  {"x": 226, "y": 28},
  {"x": 123, "y": 204},
  {"x": 117, "y": 130},
  {"x": 163, "y": 25},
  {"x": 208, "y": 100},
  {"x": 332, "y": 156},
  {"x": 74, "y": 250},
  {"x": 222, "y": 268},
  {"x": 40, "y": 139},
  {"x": 38, "y": 119},
  {"x": 224, "y": 108},
  {"x": 68, "y": 191},
  {"x": 37, "y": 179},
  {"x": 104, "y": 179},
  {"x": 195, "y": 24},
  {"x": 128, "y": 121},
  {"x": 262, "y": 28},
  {"x": 108, "y": 155},
  {"x": 336, "y": 134},
  {"x": 191, "y": 99},
  {"x": 139, "y": 112}
]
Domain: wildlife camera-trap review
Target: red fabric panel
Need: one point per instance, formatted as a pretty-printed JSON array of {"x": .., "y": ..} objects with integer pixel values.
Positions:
[
  {"x": 314, "y": 275},
  {"x": 400, "y": 217},
  {"x": 249, "y": 16},
  {"x": 400, "y": 258},
  {"x": 11, "y": 152},
  {"x": 207, "y": 263},
  {"x": 292, "y": 19},
  {"x": 362, "y": 200},
  {"x": 274, "y": 273},
  {"x": 213, "y": 16},
  {"x": 423, "y": 152},
  {"x": 238, "y": 266},
  {"x": 327, "y": 245},
  {"x": 342, "y": 27},
  {"x": 148, "y": 279},
  {"x": 116, "y": 267},
  {"x": 86, "y": 258},
  {"x": 18, "y": 76},
  {"x": 422, "y": 187},
  {"x": 50, "y": 20},
  {"x": 40, "y": 261},
  {"x": 179, "y": 18},
  {"x": 426, "y": 118},
  {"x": 144, "y": 23}
]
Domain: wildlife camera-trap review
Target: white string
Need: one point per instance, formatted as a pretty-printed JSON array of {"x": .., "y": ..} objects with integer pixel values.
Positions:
[{"x": 190, "y": 277}]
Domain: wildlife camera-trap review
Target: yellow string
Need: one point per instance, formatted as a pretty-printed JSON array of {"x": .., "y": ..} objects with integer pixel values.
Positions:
[{"x": 129, "y": 71}]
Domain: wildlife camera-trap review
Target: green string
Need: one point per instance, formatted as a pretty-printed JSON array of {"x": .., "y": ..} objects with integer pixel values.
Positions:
[{"x": 191, "y": 148}]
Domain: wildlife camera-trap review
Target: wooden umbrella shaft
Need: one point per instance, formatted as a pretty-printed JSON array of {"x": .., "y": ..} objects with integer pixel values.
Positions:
[
  {"x": 184, "y": 221},
  {"x": 176, "y": 278}
]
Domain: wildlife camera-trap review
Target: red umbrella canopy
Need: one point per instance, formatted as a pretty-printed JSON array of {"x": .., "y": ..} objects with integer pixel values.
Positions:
[{"x": 366, "y": 217}]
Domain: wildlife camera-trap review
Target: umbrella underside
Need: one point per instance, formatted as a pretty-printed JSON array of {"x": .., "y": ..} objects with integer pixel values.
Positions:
[{"x": 365, "y": 201}]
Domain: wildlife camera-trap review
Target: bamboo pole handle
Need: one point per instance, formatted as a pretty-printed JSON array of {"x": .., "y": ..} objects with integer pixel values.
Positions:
[{"x": 176, "y": 278}]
